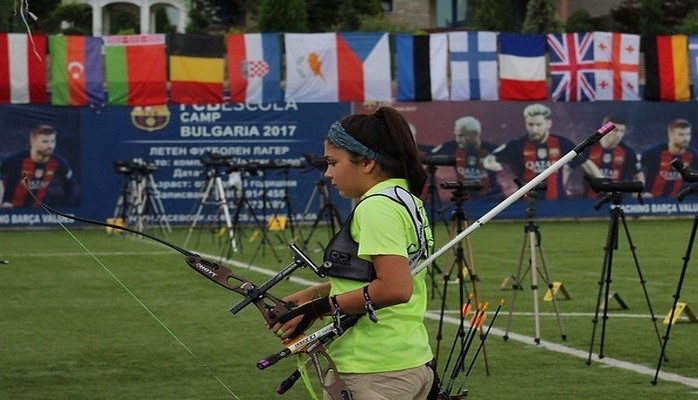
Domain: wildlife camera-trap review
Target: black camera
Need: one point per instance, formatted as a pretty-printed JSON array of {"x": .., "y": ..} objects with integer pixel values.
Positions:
[
  {"x": 136, "y": 166},
  {"x": 607, "y": 185},
  {"x": 438, "y": 160},
  {"x": 541, "y": 187},
  {"x": 470, "y": 185},
  {"x": 215, "y": 160},
  {"x": 688, "y": 174},
  {"x": 316, "y": 161}
]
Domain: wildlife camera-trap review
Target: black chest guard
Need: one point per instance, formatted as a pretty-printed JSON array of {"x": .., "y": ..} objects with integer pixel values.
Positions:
[{"x": 341, "y": 255}]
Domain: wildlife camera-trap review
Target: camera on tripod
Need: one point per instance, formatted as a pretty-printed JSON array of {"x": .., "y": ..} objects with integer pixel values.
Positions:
[
  {"x": 215, "y": 160},
  {"x": 608, "y": 185},
  {"x": 135, "y": 166},
  {"x": 467, "y": 185},
  {"x": 315, "y": 161},
  {"x": 449, "y": 161}
]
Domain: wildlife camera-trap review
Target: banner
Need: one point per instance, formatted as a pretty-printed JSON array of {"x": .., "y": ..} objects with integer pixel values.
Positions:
[{"x": 273, "y": 140}]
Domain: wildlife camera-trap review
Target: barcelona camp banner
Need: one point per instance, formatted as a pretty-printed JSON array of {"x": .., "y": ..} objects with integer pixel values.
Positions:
[{"x": 268, "y": 159}]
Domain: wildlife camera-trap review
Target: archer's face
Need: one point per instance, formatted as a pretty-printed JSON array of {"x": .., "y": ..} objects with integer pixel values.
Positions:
[{"x": 345, "y": 175}]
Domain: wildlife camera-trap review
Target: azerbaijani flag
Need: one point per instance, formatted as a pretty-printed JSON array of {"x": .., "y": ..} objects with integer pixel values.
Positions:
[
  {"x": 76, "y": 70},
  {"x": 196, "y": 68},
  {"x": 22, "y": 68},
  {"x": 254, "y": 67},
  {"x": 136, "y": 69}
]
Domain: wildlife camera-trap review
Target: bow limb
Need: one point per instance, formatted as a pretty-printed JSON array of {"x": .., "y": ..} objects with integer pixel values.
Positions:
[{"x": 271, "y": 307}]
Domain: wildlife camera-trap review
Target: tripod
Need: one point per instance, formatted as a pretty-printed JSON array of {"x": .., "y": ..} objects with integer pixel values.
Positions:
[
  {"x": 460, "y": 263},
  {"x": 286, "y": 203},
  {"x": 215, "y": 194},
  {"x": 433, "y": 196},
  {"x": 139, "y": 203},
  {"x": 532, "y": 241},
  {"x": 327, "y": 210},
  {"x": 242, "y": 201},
  {"x": 617, "y": 216},
  {"x": 682, "y": 275}
]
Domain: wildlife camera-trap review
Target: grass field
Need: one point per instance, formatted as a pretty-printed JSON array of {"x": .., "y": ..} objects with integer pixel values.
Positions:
[{"x": 132, "y": 321}]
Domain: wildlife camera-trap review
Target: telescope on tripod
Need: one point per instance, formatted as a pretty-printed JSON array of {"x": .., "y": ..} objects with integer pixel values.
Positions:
[
  {"x": 327, "y": 210},
  {"x": 139, "y": 204},
  {"x": 690, "y": 176},
  {"x": 613, "y": 191}
]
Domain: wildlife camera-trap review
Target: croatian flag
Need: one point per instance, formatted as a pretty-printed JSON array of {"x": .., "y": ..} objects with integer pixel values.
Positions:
[
  {"x": 254, "y": 67},
  {"x": 522, "y": 67},
  {"x": 473, "y": 65},
  {"x": 22, "y": 68},
  {"x": 572, "y": 66},
  {"x": 617, "y": 64},
  {"x": 422, "y": 67},
  {"x": 693, "y": 54},
  {"x": 331, "y": 67}
]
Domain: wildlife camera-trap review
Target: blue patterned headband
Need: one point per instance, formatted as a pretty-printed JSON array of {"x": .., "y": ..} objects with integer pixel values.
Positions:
[{"x": 340, "y": 138}]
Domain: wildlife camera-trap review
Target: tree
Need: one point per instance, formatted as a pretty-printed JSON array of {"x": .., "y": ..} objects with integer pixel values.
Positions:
[
  {"x": 649, "y": 17},
  {"x": 202, "y": 15},
  {"x": 579, "y": 21},
  {"x": 541, "y": 17},
  {"x": 493, "y": 15},
  {"x": 11, "y": 16},
  {"x": 282, "y": 16},
  {"x": 77, "y": 16}
]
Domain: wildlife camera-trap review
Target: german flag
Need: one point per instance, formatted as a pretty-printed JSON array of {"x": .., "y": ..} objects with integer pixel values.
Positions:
[
  {"x": 196, "y": 68},
  {"x": 666, "y": 68}
]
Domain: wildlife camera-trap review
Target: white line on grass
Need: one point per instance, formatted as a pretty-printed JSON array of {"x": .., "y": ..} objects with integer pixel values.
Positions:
[{"x": 692, "y": 382}]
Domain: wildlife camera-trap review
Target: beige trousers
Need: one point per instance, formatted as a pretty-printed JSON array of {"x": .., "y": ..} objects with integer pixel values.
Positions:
[{"x": 408, "y": 384}]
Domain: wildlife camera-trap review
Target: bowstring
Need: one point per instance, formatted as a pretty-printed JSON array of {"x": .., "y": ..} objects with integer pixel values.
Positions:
[{"x": 137, "y": 299}]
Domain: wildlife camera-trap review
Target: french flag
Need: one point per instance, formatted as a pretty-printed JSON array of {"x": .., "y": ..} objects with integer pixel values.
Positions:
[
  {"x": 522, "y": 67},
  {"x": 254, "y": 67}
]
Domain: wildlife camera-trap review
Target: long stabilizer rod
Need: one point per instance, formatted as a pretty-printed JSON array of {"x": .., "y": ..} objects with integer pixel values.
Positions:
[{"x": 608, "y": 127}]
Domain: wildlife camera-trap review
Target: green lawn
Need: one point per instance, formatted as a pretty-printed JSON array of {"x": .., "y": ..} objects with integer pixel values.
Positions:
[{"x": 133, "y": 321}]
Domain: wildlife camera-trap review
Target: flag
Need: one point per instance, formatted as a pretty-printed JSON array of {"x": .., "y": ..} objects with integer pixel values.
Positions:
[
  {"x": 522, "y": 67},
  {"x": 22, "y": 68},
  {"x": 473, "y": 65},
  {"x": 693, "y": 50},
  {"x": 77, "y": 76},
  {"x": 666, "y": 68},
  {"x": 617, "y": 64},
  {"x": 136, "y": 69},
  {"x": 196, "y": 68},
  {"x": 422, "y": 64},
  {"x": 254, "y": 67},
  {"x": 571, "y": 61},
  {"x": 327, "y": 67}
]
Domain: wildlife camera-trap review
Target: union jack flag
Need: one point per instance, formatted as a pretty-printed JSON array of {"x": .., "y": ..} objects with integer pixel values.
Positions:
[{"x": 572, "y": 66}]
